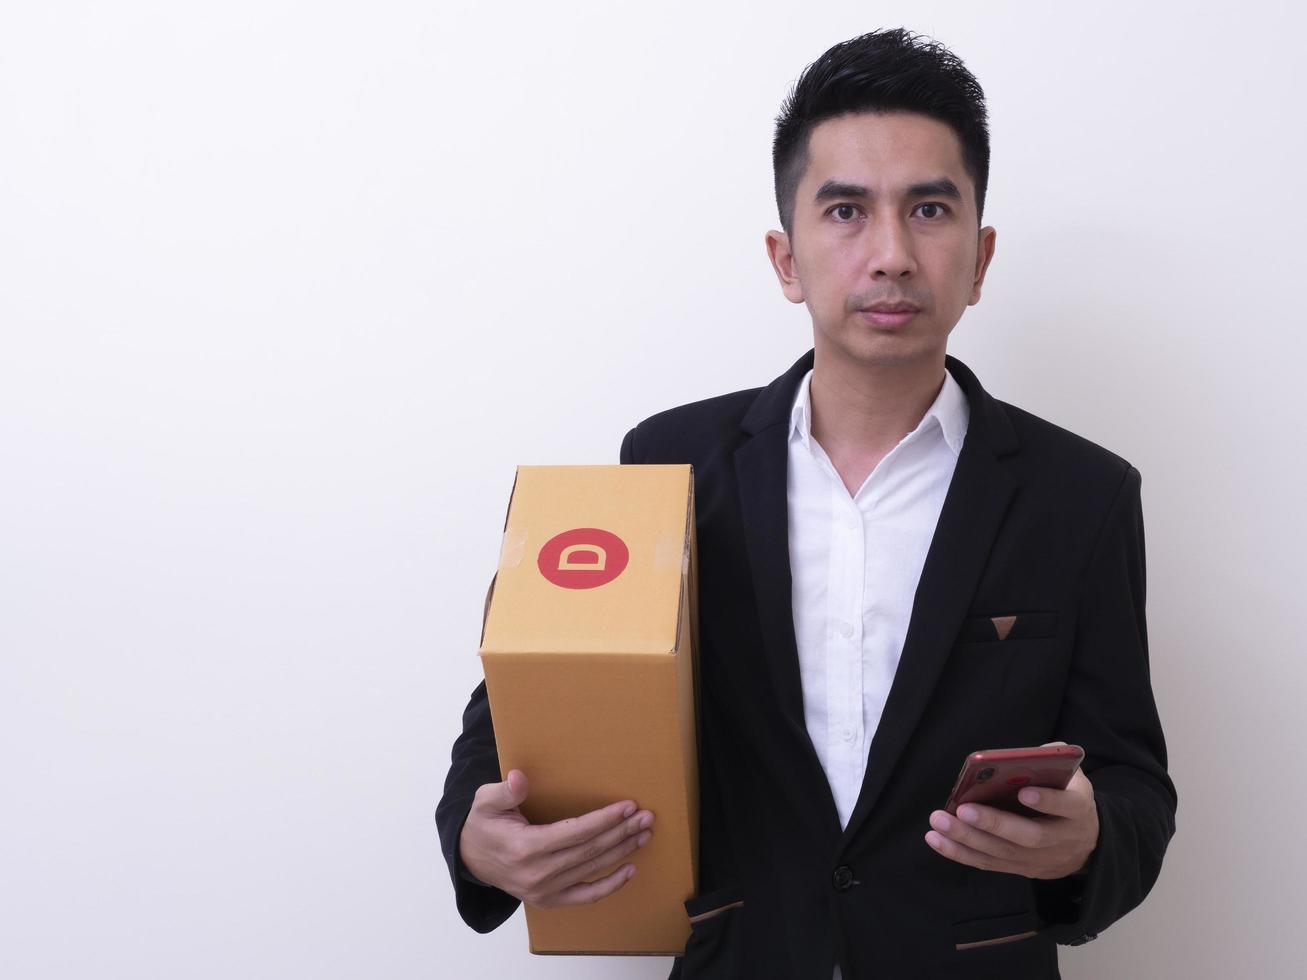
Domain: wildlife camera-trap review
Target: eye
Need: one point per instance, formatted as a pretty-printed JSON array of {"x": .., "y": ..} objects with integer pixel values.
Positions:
[
  {"x": 838, "y": 209},
  {"x": 938, "y": 210}
]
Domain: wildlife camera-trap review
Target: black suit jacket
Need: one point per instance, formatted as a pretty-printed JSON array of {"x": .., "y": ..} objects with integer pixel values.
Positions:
[{"x": 1038, "y": 523}]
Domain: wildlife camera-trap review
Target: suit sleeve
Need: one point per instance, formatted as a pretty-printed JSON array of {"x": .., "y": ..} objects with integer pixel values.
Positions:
[
  {"x": 627, "y": 452},
  {"x": 474, "y": 761},
  {"x": 1108, "y": 708}
]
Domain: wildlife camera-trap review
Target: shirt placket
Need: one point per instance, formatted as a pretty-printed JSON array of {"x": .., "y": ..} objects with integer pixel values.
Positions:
[{"x": 844, "y": 675}]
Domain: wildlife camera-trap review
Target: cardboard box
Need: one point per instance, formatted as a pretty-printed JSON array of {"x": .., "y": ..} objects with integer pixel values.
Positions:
[{"x": 589, "y": 652}]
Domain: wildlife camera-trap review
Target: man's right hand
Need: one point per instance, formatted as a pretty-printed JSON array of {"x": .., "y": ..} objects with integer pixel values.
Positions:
[{"x": 549, "y": 864}]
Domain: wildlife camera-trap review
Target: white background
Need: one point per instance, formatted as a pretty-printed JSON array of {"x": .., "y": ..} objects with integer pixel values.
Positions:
[{"x": 287, "y": 290}]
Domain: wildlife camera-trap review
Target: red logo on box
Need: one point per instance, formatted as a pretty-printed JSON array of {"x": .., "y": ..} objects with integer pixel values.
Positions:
[{"x": 583, "y": 558}]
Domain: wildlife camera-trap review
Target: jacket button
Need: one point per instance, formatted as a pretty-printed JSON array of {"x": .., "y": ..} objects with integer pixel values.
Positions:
[{"x": 843, "y": 879}]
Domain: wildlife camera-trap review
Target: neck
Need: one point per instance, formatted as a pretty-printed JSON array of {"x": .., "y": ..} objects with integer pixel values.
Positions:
[{"x": 865, "y": 409}]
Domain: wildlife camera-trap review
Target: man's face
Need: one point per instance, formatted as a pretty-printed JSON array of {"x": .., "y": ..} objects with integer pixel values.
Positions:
[{"x": 876, "y": 221}]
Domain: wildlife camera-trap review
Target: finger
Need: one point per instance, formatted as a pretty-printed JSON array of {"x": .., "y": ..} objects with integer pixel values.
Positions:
[
  {"x": 1019, "y": 830},
  {"x": 592, "y": 891},
  {"x": 591, "y": 869},
  {"x": 1074, "y": 801},
  {"x": 977, "y": 840},
  {"x": 570, "y": 857},
  {"x": 567, "y": 833},
  {"x": 962, "y": 854},
  {"x": 508, "y": 795}
]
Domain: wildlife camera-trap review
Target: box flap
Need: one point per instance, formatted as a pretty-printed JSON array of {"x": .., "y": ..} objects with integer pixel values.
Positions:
[{"x": 593, "y": 560}]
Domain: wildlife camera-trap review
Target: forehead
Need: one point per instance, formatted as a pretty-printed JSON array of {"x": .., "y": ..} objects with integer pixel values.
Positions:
[{"x": 886, "y": 150}]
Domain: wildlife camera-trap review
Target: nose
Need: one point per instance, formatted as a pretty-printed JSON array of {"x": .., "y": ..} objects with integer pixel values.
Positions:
[{"x": 891, "y": 253}]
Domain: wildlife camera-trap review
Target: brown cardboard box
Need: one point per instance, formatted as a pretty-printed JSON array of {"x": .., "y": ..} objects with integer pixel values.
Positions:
[{"x": 589, "y": 655}]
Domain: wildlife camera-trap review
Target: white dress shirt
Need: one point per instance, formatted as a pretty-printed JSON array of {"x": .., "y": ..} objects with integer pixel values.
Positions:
[{"x": 855, "y": 563}]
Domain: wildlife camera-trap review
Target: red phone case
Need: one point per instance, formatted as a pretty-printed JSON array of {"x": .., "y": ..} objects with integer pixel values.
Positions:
[{"x": 995, "y": 776}]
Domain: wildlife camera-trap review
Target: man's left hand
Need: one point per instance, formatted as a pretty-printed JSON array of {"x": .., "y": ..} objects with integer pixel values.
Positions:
[{"x": 1054, "y": 845}]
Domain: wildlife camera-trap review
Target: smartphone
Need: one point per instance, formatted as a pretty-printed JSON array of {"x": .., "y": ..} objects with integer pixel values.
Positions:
[{"x": 995, "y": 776}]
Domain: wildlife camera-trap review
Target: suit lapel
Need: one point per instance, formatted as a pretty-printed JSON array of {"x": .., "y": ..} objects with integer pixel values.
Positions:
[
  {"x": 973, "y": 510},
  {"x": 761, "y": 465}
]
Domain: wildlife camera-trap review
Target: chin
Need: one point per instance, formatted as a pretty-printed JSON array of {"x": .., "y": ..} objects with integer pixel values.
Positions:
[{"x": 884, "y": 350}]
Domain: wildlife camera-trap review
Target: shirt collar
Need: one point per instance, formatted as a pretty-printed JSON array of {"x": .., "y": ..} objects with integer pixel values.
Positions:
[{"x": 949, "y": 411}]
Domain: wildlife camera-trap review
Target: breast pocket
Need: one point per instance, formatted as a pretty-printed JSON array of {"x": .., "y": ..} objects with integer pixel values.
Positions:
[{"x": 1007, "y": 627}]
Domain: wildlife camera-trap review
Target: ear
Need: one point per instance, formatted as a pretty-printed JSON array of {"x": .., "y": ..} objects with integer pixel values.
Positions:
[
  {"x": 984, "y": 252},
  {"x": 782, "y": 261}
]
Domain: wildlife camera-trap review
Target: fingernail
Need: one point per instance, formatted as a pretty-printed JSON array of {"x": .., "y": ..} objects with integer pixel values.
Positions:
[
  {"x": 630, "y": 871},
  {"x": 968, "y": 814},
  {"x": 933, "y": 841},
  {"x": 941, "y": 822},
  {"x": 646, "y": 821},
  {"x": 628, "y": 810},
  {"x": 1030, "y": 796},
  {"x": 643, "y": 839}
]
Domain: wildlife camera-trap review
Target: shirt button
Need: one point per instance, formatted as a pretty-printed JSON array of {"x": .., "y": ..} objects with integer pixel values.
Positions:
[
  {"x": 848, "y": 734},
  {"x": 843, "y": 879},
  {"x": 846, "y": 629}
]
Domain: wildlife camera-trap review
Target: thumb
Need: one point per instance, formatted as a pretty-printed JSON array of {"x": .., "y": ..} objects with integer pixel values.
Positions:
[{"x": 511, "y": 793}]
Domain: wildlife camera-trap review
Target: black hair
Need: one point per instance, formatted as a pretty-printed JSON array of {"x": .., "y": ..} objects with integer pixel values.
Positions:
[{"x": 883, "y": 71}]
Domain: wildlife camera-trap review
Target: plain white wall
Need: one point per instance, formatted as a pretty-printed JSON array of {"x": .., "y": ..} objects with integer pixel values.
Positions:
[{"x": 287, "y": 290}]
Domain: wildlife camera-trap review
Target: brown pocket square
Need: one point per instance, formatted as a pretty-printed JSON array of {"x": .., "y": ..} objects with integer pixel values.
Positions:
[
  {"x": 1003, "y": 625},
  {"x": 1009, "y": 626}
]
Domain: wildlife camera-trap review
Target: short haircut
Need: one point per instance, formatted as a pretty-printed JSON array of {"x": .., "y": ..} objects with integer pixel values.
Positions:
[{"x": 884, "y": 71}]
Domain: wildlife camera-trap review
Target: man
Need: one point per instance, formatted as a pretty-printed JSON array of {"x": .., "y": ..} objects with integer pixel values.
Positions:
[{"x": 896, "y": 569}]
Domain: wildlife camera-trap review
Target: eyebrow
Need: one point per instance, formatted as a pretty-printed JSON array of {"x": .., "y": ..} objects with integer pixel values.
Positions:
[{"x": 939, "y": 187}]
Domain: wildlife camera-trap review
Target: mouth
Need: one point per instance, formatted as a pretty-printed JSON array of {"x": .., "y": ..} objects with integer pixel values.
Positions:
[{"x": 889, "y": 314}]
